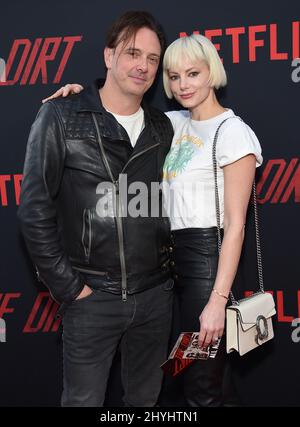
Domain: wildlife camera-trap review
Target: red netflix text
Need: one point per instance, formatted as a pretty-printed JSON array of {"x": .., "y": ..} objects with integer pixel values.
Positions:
[{"x": 265, "y": 38}]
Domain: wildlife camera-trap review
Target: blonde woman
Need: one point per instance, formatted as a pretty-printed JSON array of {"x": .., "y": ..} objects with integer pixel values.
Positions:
[{"x": 192, "y": 72}]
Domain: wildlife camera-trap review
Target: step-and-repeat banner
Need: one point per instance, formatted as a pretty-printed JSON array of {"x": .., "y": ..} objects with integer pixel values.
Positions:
[{"x": 44, "y": 45}]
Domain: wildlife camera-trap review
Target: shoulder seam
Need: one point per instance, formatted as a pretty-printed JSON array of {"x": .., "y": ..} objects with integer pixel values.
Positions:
[{"x": 58, "y": 115}]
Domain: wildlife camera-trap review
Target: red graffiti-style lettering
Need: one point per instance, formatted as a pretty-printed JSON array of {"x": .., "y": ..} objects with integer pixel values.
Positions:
[
  {"x": 38, "y": 59},
  {"x": 4, "y": 302}
]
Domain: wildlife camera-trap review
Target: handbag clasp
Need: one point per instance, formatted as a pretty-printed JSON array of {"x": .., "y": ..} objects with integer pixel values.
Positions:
[{"x": 262, "y": 331}]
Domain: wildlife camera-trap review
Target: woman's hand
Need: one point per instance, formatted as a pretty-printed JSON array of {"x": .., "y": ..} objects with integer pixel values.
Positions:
[
  {"x": 65, "y": 91},
  {"x": 212, "y": 321}
]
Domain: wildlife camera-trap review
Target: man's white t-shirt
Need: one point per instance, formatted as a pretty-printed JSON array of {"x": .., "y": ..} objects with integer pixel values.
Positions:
[
  {"x": 133, "y": 124},
  {"x": 188, "y": 182}
]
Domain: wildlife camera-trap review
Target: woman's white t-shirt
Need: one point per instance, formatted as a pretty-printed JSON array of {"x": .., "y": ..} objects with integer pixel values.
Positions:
[{"x": 188, "y": 179}]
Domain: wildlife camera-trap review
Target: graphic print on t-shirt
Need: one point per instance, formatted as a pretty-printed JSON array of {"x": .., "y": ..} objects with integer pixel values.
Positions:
[{"x": 180, "y": 155}]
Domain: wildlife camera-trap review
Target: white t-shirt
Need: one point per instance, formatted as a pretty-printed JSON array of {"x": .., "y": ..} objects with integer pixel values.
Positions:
[
  {"x": 133, "y": 124},
  {"x": 188, "y": 183}
]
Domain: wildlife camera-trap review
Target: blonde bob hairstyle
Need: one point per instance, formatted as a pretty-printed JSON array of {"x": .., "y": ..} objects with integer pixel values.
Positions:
[{"x": 195, "y": 48}]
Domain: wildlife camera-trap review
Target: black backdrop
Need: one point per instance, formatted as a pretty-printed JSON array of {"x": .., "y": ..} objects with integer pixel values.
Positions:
[{"x": 47, "y": 44}]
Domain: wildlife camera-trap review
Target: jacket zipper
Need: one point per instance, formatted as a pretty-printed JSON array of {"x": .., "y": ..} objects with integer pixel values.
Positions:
[
  {"x": 118, "y": 219},
  {"x": 121, "y": 243},
  {"x": 87, "y": 249},
  {"x": 118, "y": 205},
  {"x": 120, "y": 225},
  {"x": 87, "y": 270},
  {"x": 138, "y": 154}
]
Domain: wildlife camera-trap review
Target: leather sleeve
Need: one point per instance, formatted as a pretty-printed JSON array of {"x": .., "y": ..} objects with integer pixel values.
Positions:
[{"x": 43, "y": 170}]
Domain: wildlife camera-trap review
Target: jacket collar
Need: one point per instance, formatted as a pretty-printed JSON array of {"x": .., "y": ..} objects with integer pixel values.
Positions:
[{"x": 90, "y": 101}]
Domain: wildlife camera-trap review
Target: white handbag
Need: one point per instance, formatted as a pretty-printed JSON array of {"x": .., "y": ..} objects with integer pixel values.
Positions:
[
  {"x": 249, "y": 320},
  {"x": 249, "y": 323}
]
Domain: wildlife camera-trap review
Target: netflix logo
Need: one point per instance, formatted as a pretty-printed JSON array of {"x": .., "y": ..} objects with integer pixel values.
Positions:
[{"x": 256, "y": 40}]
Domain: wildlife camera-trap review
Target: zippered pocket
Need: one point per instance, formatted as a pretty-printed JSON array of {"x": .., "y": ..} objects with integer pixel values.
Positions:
[{"x": 86, "y": 237}]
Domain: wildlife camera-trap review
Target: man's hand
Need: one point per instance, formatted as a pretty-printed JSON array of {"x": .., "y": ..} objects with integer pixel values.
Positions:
[
  {"x": 86, "y": 291},
  {"x": 65, "y": 91}
]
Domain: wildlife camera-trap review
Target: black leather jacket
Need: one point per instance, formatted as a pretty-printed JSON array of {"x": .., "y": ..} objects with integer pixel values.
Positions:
[{"x": 74, "y": 146}]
